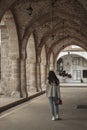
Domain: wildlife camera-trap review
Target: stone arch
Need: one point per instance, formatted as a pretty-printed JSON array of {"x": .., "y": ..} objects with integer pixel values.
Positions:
[
  {"x": 61, "y": 44},
  {"x": 70, "y": 68},
  {"x": 72, "y": 31},
  {"x": 31, "y": 65},
  {"x": 58, "y": 45},
  {"x": 10, "y": 78},
  {"x": 78, "y": 54},
  {"x": 43, "y": 67},
  {"x": 73, "y": 41},
  {"x": 76, "y": 35},
  {"x": 46, "y": 19}
]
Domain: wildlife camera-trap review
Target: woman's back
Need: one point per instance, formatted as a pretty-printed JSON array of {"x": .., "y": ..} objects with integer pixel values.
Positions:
[
  {"x": 52, "y": 78},
  {"x": 51, "y": 89},
  {"x": 53, "y": 92}
]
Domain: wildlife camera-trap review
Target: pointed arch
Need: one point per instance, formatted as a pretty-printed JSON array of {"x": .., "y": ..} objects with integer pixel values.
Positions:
[
  {"x": 43, "y": 56},
  {"x": 31, "y": 51},
  {"x": 43, "y": 67},
  {"x": 10, "y": 78},
  {"x": 9, "y": 22},
  {"x": 31, "y": 64}
]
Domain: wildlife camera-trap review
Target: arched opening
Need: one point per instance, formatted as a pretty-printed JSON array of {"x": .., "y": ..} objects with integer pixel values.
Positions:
[
  {"x": 74, "y": 65},
  {"x": 43, "y": 67},
  {"x": 10, "y": 82},
  {"x": 31, "y": 65}
]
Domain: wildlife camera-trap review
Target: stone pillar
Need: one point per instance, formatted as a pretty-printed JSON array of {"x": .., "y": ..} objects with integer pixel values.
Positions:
[
  {"x": 47, "y": 67},
  {"x": 10, "y": 81},
  {"x": 23, "y": 78},
  {"x": 51, "y": 67},
  {"x": 27, "y": 75},
  {"x": 39, "y": 77},
  {"x": 32, "y": 78},
  {"x": 43, "y": 76},
  {"x": 4, "y": 54},
  {"x": 15, "y": 78}
]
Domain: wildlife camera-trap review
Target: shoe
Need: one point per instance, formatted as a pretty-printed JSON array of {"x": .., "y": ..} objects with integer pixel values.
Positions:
[
  {"x": 57, "y": 116},
  {"x": 53, "y": 118},
  {"x": 59, "y": 119}
]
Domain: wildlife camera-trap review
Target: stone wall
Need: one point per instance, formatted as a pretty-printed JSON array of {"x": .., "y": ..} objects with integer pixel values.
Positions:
[
  {"x": 10, "y": 79},
  {"x": 0, "y": 63}
]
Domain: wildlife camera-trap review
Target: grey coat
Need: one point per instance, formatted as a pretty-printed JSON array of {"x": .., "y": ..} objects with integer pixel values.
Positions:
[{"x": 52, "y": 89}]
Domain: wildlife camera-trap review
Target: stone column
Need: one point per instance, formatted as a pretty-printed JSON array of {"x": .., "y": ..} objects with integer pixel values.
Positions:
[
  {"x": 32, "y": 78},
  {"x": 4, "y": 60},
  {"x": 47, "y": 67},
  {"x": 43, "y": 76},
  {"x": 27, "y": 75},
  {"x": 51, "y": 67},
  {"x": 15, "y": 78},
  {"x": 10, "y": 80},
  {"x": 23, "y": 78},
  {"x": 39, "y": 76}
]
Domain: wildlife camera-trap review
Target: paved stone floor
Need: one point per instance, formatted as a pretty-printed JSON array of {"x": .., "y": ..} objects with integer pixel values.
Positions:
[
  {"x": 7, "y": 100},
  {"x": 35, "y": 114}
]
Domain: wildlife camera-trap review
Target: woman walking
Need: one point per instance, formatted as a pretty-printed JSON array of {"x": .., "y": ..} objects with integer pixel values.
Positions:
[{"x": 53, "y": 92}]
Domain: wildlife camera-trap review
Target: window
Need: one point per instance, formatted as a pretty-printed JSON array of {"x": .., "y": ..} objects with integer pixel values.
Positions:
[
  {"x": 84, "y": 73},
  {"x": 75, "y": 60},
  {"x": 60, "y": 65},
  {"x": 76, "y": 74}
]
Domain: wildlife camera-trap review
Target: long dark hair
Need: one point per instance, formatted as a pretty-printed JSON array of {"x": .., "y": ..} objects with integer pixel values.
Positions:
[{"x": 52, "y": 78}]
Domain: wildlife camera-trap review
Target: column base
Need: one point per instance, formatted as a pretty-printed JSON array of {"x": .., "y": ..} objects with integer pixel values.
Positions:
[{"x": 15, "y": 94}]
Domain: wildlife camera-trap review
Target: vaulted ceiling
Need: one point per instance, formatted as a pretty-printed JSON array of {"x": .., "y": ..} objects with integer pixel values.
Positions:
[{"x": 69, "y": 22}]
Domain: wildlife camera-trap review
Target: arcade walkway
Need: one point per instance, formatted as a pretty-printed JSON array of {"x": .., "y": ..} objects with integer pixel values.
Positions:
[{"x": 35, "y": 114}]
